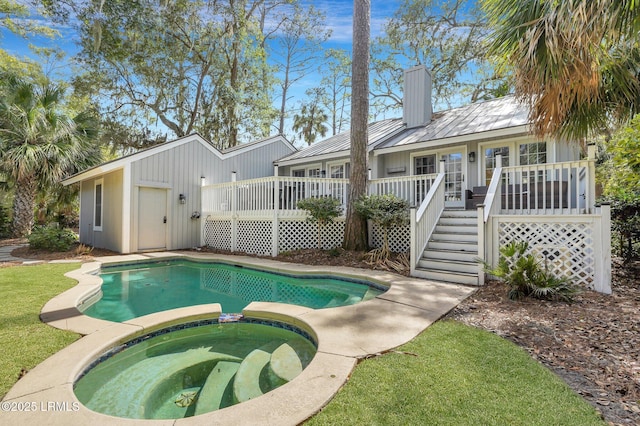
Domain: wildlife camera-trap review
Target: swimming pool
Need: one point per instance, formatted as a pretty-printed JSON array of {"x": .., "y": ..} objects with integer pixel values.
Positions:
[
  {"x": 131, "y": 291},
  {"x": 194, "y": 368}
]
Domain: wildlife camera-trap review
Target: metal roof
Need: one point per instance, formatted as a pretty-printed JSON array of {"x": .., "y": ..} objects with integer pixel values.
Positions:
[
  {"x": 496, "y": 114},
  {"x": 378, "y": 131}
]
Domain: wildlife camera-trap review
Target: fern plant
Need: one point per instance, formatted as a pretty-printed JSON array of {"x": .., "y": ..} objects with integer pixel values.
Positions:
[{"x": 526, "y": 277}]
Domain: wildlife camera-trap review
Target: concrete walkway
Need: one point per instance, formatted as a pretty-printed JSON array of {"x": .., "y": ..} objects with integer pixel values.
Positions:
[
  {"x": 5, "y": 254},
  {"x": 344, "y": 335}
]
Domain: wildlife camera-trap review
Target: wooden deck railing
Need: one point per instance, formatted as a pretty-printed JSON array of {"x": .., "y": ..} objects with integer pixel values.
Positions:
[
  {"x": 554, "y": 188},
  {"x": 282, "y": 193}
]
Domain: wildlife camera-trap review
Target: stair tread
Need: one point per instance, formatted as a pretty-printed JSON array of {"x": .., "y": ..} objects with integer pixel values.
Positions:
[
  {"x": 444, "y": 271},
  {"x": 451, "y": 251},
  {"x": 459, "y": 262}
]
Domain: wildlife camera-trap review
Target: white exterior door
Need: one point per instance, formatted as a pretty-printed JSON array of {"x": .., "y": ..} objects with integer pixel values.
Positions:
[
  {"x": 152, "y": 219},
  {"x": 454, "y": 178}
]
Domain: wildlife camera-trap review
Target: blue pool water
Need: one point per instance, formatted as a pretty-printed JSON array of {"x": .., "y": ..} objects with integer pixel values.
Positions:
[{"x": 136, "y": 290}]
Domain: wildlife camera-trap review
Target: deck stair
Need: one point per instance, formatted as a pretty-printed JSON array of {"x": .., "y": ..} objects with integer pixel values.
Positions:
[{"x": 452, "y": 250}]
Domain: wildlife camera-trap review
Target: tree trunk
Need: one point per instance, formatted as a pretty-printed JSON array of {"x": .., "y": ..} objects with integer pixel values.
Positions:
[
  {"x": 355, "y": 232},
  {"x": 24, "y": 201}
]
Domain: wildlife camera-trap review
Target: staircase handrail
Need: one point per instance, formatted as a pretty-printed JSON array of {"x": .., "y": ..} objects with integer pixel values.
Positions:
[
  {"x": 425, "y": 219},
  {"x": 491, "y": 206}
]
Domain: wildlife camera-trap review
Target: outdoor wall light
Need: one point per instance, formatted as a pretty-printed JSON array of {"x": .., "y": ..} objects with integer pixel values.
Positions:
[
  {"x": 472, "y": 157},
  {"x": 203, "y": 181},
  {"x": 182, "y": 198}
]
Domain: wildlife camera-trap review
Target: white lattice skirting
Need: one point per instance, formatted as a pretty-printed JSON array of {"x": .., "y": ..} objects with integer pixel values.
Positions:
[
  {"x": 255, "y": 236},
  {"x": 399, "y": 238},
  {"x": 568, "y": 248}
]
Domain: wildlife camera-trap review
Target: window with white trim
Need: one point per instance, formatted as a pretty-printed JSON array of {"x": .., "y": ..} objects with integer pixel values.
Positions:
[
  {"x": 490, "y": 160},
  {"x": 98, "y": 204},
  {"x": 531, "y": 154},
  {"x": 425, "y": 165}
]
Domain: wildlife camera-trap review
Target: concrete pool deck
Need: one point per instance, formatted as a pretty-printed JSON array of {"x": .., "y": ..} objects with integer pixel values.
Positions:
[{"x": 345, "y": 335}]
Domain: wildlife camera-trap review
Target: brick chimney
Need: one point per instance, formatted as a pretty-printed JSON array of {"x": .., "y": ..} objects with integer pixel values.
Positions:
[{"x": 416, "y": 102}]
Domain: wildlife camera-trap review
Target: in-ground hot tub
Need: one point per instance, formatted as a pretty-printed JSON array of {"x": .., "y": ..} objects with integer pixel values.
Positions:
[{"x": 194, "y": 368}]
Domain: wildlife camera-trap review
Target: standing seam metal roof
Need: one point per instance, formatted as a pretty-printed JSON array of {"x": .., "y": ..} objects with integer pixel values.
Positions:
[
  {"x": 495, "y": 114},
  {"x": 378, "y": 131}
]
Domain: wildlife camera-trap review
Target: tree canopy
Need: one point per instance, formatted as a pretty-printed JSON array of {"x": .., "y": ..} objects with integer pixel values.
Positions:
[{"x": 448, "y": 37}]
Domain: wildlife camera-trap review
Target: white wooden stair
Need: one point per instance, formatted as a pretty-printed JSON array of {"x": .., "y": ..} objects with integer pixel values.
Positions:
[{"x": 452, "y": 250}]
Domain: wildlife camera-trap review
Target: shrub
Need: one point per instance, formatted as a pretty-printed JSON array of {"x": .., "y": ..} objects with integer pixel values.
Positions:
[
  {"x": 51, "y": 239},
  {"x": 526, "y": 277},
  {"x": 386, "y": 211},
  {"x": 5, "y": 222},
  {"x": 322, "y": 210}
]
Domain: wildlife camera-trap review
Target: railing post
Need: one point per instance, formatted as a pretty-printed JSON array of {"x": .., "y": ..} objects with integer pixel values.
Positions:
[
  {"x": 590, "y": 193},
  {"x": 481, "y": 244},
  {"x": 274, "y": 223},
  {"x": 602, "y": 278},
  {"x": 413, "y": 241},
  {"x": 234, "y": 216}
]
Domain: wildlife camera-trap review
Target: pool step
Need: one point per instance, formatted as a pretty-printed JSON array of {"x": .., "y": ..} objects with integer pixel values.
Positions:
[
  {"x": 213, "y": 390},
  {"x": 285, "y": 363},
  {"x": 246, "y": 384}
]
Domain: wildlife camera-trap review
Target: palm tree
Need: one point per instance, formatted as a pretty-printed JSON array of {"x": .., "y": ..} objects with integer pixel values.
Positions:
[
  {"x": 576, "y": 62},
  {"x": 39, "y": 143},
  {"x": 310, "y": 122}
]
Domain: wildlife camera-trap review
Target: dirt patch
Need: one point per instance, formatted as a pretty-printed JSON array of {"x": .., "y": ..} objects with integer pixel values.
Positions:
[
  {"x": 334, "y": 257},
  {"x": 74, "y": 253}
]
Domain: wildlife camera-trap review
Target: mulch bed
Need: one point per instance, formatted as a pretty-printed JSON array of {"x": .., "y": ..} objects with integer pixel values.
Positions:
[{"x": 592, "y": 344}]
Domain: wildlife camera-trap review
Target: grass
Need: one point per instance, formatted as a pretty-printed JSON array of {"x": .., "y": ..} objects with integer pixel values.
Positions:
[
  {"x": 459, "y": 376},
  {"x": 25, "y": 340}
]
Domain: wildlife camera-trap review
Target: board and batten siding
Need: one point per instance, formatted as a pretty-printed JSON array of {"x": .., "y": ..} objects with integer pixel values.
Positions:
[
  {"x": 179, "y": 171},
  {"x": 110, "y": 237}
]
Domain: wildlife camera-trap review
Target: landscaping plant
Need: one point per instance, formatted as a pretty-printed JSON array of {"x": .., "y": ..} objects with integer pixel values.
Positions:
[
  {"x": 527, "y": 277},
  {"x": 322, "y": 210},
  {"x": 51, "y": 238},
  {"x": 386, "y": 211}
]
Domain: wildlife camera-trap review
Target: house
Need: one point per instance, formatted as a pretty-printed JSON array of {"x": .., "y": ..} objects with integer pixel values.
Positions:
[
  {"x": 150, "y": 200},
  {"x": 477, "y": 177}
]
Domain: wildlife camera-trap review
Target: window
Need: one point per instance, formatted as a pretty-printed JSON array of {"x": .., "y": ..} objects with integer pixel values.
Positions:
[
  {"x": 97, "y": 204},
  {"x": 425, "y": 165},
  {"x": 533, "y": 153},
  {"x": 530, "y": 154},
  {"x": 314, "y": 173},
  {"x": 490, "y": 160},
  {"x": 298, "y": 173}
]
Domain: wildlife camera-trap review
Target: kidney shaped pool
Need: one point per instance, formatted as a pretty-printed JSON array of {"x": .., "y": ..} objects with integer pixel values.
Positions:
[{"x": 134, "y": 290}]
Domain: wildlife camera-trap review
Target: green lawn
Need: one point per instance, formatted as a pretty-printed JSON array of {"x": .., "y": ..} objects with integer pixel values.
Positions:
[
  {"x": 459, "y": 376},
  {"x": 25, "y": 341}
]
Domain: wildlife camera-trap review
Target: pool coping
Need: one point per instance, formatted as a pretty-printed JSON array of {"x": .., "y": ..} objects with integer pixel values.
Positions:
[{"x": 344, "y": 335}]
